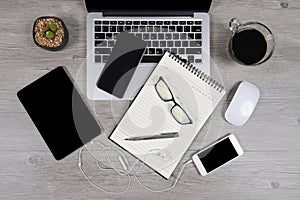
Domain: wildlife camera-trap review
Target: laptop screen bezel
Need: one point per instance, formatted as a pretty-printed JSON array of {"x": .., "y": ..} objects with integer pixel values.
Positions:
[{"x": 97, "y": 6}]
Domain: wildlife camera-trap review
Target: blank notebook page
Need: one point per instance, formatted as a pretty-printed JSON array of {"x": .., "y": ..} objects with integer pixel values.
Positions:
[{"x": 148, "y": 114}]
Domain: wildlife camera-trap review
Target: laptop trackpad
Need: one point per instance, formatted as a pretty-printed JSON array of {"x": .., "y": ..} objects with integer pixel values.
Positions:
[{"x": 138, "y": 80}]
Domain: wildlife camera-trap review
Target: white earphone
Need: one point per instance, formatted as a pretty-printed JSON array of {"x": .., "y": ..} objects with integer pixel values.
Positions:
[{"x": 127, "y": 169}]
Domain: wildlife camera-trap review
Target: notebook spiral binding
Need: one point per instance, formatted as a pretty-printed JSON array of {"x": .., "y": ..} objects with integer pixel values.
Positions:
[{"x": 190, "y": 67}]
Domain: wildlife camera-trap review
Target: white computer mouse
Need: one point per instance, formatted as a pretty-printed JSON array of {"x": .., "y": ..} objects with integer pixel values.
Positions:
[{"x": 242, "y": 104}]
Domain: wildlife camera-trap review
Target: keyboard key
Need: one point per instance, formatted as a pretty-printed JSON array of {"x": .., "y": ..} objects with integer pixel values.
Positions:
[
  {"x": 99, "y": 35},
  {"x": 120, "y": 28},
  {"x": 109, "y": 35},
  {"x": 172, "y": 28},
  {"x": 153, "y": 36},
  {"x": 144, "y": 22},
  {"x": 142, "y": 28},
  {"x": 174, "y": 50},
  {"x": 198, "y": 61},
  {"x": 170, "y": 43},
  {"x": 167, "y": 49},
  {"x": 156, "y": 28},
  {"x": 128, "y": 28},
  {"x": 179, "y": 29},
  {"x": 155, "y": 43},
  {"x": 193, "y": 51},
  {"x": 105, "y": 22},
  {"x": 175, "y": 36},
  {"x": 151, "y": 51},
  {"x": 160, "y": 36},
  {"x": 128, "y": 22},
  {"x": 196, "y": 28},
  {"x": 100, "y": 43},
  {"x": 135, "y": 29},
  {"x": 198, "y": 36},
  {"x": 191, "y": 36},
  {"x": 182, "y": 22},
  {"x": 111, "y": 43},
  {"x": 195, "y": 43},
  {"x": 168, "y": 36},
  {"x": 146, "y": 36},
  {"x": 162, "y": 44},
  {"x": 146, "y": 51},
  {"x": 151, "y": 59},
  {"x": 115, "y": 36},
  {"x": 182, "y": 36},
  {"x": 97, "y": 59},
  {"x": 167, "y": 22},
  {"x": 177, "y": 43},
  {"x": 181, "y": 51},
  {"x": 139, "y": 35},
  {"x": 148, "y": 43},
  {"x": 113, "y": 28},
  {"x": 152, "y": 22},
  {"x": 102, "y": 50},
  {"x": 97, "y": 28},
  {"x": 121, "y": 22},
  {"x": 187, "y": 29},
  {"x": 164, "y": 29},
  {"x": 136, "y": 22},
  {"x": 174, "y": 22},
  {"x": 159, "y": 51},
  {"x": 197, "y": 22},
  {"x": 190, "y": 22},
  {"x": 113, "y": 22},
  {"x": 191, "y": 59},
  {"x": 185, "y": 43},
  {"x": 159, "y": 22},
  {"x": 105, "y": 28},
  {"x": 105, "y": 58},
  {"x": 149, "y": 28},
  {"x": 97, "y": 22}
]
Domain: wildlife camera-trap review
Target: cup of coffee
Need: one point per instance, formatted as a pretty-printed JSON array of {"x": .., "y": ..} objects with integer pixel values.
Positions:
[{"x": 251, "y": 43}]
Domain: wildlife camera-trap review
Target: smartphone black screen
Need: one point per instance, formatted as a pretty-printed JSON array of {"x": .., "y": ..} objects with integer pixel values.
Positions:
[
  {"x": 121, "y": 65},
  {"x": 217, "y": 155},
  {"x": 59, "y": 112}
]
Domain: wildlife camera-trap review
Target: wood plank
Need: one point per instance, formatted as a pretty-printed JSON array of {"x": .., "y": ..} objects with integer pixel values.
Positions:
[{"x": 269, "y": 169}]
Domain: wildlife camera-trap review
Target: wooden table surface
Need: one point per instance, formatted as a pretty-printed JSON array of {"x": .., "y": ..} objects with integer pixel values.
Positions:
[{"x": 270, "y": 167}]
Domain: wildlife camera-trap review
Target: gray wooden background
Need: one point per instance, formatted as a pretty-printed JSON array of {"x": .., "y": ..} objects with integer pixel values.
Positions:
[{"x": 270, "y": 167}]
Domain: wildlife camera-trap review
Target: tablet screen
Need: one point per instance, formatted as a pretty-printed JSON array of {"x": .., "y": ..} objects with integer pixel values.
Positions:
[{"x": 59, "y": 112}]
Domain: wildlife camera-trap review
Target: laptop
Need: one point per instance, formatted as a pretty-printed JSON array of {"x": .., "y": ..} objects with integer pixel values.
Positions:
[{"x": 179, "y": 27}]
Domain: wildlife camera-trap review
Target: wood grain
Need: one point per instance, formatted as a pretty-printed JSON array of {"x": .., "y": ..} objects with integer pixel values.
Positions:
[{"x": 269, "y": 169}]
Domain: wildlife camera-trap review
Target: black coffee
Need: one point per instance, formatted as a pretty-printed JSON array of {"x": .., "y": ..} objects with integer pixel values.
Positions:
[{"x": 249, "y": 46}]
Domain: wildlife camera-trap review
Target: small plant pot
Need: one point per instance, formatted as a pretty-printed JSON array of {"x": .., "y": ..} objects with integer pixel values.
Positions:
[{"x": 65, "y": 38}]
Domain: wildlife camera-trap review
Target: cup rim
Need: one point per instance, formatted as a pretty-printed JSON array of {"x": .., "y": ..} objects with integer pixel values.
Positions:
[{"x": 238, "y": 30}]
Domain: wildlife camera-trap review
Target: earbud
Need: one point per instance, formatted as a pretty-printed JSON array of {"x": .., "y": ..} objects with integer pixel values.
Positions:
[{"x": 162, "y": 153}]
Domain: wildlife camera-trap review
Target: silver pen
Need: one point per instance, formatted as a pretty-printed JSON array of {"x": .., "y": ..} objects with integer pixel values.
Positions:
[{"x": 152, "y": 137}]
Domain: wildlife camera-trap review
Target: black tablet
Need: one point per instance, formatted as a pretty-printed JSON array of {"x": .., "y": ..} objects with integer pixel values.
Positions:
[{"x": 59, "y": 112}]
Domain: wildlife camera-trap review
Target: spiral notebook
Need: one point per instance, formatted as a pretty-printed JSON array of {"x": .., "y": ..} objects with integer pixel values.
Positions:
[{"x": 152, "y": 112}]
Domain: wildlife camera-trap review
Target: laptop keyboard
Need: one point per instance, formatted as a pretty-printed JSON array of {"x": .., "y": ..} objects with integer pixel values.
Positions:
[{"x": 181, "y": 37}]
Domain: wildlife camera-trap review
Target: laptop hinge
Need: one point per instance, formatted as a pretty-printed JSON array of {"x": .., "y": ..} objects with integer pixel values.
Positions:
[{"x": 148, "y": 13}]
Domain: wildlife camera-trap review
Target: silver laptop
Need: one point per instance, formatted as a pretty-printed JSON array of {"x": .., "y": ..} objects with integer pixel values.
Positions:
[{"x": 179, "y": 27}]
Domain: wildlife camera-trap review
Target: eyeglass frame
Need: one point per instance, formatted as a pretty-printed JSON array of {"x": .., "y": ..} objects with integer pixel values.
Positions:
[{"x": 173, "y": 100}]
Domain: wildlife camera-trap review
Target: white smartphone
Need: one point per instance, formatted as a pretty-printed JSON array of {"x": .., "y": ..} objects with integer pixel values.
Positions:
[{"x": 216, "y": 155}]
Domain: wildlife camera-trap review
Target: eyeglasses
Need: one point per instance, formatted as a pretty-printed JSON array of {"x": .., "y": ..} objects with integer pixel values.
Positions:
[{"x": 164, "y": 92}]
